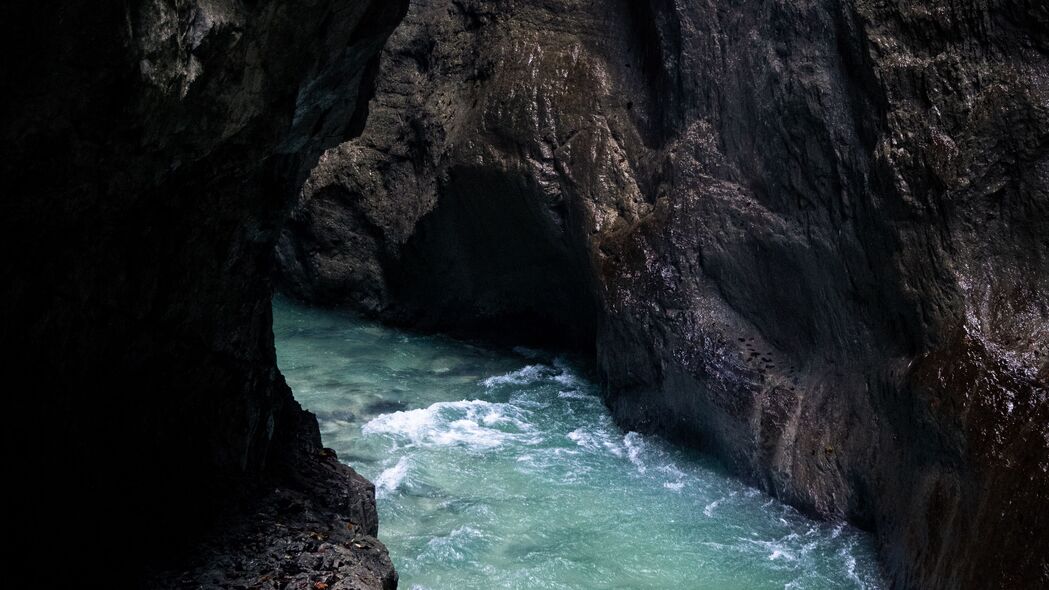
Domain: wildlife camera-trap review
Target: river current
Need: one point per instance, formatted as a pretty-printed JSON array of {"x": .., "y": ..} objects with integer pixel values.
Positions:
[{"x": 501, "y": 468}]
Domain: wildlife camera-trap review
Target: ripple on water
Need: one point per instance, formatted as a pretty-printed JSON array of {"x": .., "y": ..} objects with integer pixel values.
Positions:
[{"x": 504, "y": 470}]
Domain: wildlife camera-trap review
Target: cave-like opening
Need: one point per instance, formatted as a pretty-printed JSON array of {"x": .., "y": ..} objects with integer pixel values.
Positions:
[{"x": 500, "y": 259}]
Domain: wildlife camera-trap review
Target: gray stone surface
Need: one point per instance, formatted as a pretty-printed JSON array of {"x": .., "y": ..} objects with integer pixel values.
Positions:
[{"x": 810, "y": 236}]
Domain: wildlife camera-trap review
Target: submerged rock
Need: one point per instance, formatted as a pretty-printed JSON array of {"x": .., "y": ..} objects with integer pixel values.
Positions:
[{"x": 809, "y": 236}]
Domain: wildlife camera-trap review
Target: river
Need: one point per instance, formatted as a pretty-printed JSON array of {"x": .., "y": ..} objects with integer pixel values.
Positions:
[{"x": 501, "y": 468}]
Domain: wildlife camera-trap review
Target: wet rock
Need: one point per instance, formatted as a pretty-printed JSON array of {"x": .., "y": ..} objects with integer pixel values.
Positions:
[
  {"x": 385, "y": 407},
  {"x": 858, "y": 191},
  {"x": 296, "y": 538}
]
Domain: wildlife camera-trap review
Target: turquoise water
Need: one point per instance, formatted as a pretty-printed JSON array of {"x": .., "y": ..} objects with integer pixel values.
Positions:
[{"x": 502, "y": 469}]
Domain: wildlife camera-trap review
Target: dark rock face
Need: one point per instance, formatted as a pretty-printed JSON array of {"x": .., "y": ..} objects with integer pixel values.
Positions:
[
  {"x": 810, "y": 236},
  {"x": 317, "y": 528},
  {"x": 148, "y": 148}
]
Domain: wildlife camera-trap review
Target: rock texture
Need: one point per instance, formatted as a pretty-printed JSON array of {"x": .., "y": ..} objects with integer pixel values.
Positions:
[
  {"x": 811, "y": 236},
  {"x": 147, "y": 151},
  {"x": 315, "y": 529}
]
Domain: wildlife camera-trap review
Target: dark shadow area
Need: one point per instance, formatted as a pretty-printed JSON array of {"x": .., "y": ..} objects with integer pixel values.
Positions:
[
  {"x": 496, "y": 260},
  {"x": 147, "y": 152}
]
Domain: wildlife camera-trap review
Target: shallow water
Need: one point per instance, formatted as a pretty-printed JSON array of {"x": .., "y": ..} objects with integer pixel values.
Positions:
[{"x": 502, "y": 469}]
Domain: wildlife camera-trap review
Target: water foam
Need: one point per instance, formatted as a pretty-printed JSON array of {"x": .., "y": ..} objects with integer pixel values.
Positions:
[
  {"x": 850, "y": 565},
  {"x": 775, "y": 550},
  {"x": 583, "y": 438},
  {"x": 476, "y": 424},
  {"x": 523, "y": 376},
  {"x": 451, "y": 547},
  {"x": 390, "y": 479},
  {"x": 546, "y": 484},
  {"x": 566, "y": 376},
  {"x": 634, "y": 444},
  {"x": 708, "y": 510}
]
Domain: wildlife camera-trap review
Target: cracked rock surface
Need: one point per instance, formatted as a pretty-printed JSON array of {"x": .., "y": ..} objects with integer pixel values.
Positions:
[{"x": 809, "y": 236}]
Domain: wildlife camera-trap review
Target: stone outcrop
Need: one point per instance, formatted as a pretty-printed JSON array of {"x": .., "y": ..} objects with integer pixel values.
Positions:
[
  {"x": 808, "y": 236},
  {"x": 148, "y": 151}
]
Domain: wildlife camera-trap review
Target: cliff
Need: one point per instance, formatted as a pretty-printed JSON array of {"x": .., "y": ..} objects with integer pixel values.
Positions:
[
  {"x": 810, "y": 237},
  {"x": 148, "y": 151}
]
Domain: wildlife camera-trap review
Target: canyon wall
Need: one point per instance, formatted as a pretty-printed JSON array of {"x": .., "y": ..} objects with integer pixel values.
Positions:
[
  {"x": 148, "y": 151},
  {"x": 809, "y": 236}
]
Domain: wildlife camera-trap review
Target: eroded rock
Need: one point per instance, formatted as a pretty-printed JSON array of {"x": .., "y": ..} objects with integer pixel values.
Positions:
[
  {"x": 148, "y": 148},
  {"x": 809, "y": 236}
]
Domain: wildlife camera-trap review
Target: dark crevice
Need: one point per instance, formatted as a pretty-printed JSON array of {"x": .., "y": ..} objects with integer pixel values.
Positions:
[
  {"x": 494, "y": 260},
  {"x": 355, "y": 126}
]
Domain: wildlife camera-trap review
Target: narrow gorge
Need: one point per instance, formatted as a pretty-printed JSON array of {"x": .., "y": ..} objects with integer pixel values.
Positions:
[
  {"x": 795, "y": 252},
  {"x": 808, "y": 237}
]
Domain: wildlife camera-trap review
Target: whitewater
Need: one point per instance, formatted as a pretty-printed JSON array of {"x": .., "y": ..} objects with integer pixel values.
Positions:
[{"x": 501, "y": 468}]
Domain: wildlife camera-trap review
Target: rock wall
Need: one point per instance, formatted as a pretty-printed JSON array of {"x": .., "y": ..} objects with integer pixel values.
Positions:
[
  {"x": 810, "y": 236},
  {"x": 148, "y": 150}
]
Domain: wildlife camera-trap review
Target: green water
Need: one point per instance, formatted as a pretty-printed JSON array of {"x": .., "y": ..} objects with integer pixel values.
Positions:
[{"x": 502, "y": 469}]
